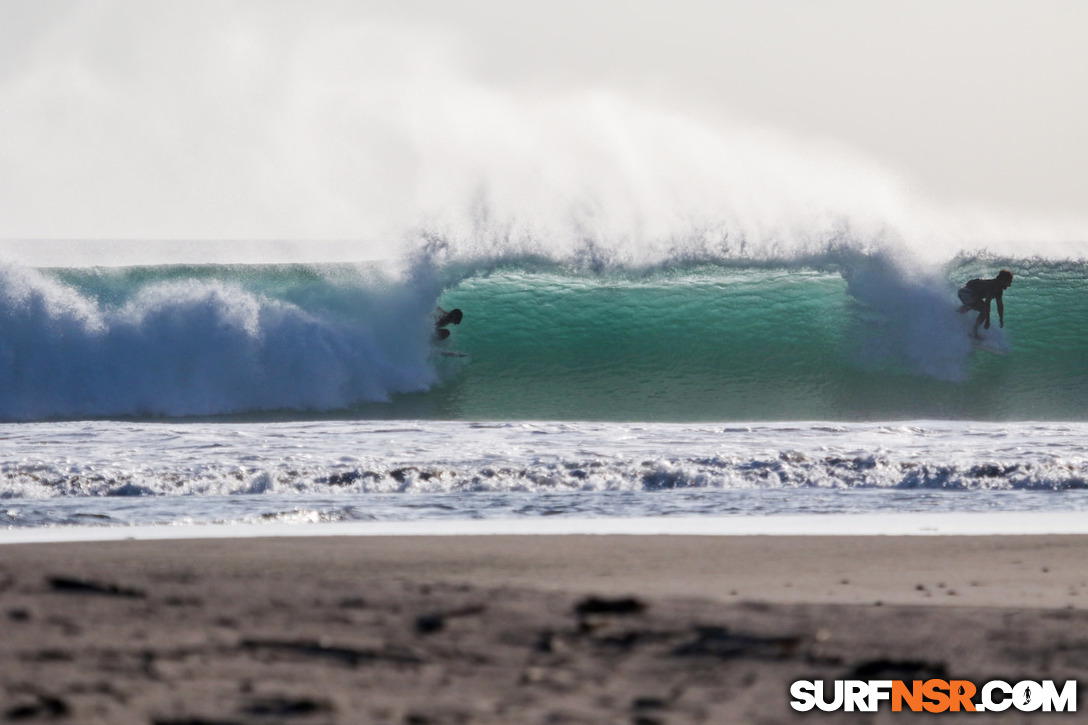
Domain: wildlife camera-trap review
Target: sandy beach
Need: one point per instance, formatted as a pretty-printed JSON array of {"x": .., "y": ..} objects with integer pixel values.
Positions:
[{"x": 524, "y": 629}]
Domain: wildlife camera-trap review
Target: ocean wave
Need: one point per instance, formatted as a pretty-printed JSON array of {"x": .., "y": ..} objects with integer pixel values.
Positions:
[{"x": 841, "y": 335}]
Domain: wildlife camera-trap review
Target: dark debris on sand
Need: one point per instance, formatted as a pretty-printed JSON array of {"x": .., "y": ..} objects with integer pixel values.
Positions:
[{"x": 248, "y": 649}]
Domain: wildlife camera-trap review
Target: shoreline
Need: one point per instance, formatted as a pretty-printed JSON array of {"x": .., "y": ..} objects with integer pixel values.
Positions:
[{"x": 1033, "y": 523}]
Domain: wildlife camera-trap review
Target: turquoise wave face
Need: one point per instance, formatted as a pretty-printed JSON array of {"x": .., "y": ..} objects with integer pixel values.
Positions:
[
  {"x": 736, "y": 344},
  {"x": 860, "y": 342},
  {"x": 838, "y": 338}
]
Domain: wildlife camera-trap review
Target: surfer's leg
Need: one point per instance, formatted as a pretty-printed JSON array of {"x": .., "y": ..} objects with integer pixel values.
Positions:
[{"x": 978, "y": 323}]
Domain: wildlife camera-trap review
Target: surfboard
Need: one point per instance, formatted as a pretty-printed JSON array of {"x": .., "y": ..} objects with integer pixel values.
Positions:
[{"x": 987, "y": 346}]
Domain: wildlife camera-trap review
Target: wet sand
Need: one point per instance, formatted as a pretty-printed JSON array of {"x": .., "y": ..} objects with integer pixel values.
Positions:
[{"x": 523, "y": 629}]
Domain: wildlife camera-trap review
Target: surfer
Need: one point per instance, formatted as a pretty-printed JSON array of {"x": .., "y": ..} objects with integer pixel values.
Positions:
[
  {"x": 443, "y": 318},
  {"x": 977, "y": 294}
]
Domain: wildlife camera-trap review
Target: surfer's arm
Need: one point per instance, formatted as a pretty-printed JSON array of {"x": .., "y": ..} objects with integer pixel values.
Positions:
[{"x": 1000, "y": 309}]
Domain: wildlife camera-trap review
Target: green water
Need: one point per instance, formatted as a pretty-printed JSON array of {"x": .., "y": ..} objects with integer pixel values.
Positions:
[{"x": 761, "y": 344}]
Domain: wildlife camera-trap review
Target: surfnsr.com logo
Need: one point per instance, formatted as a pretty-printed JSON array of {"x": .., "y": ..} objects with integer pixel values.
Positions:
[{"x": 933, "y": 696}]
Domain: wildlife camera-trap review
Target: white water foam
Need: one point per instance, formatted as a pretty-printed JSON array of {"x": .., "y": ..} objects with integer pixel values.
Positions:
[
  {"x": 205, "y": 347},
  {"x": 361, "y": 458},
  {"x": 905, "y": 320}
]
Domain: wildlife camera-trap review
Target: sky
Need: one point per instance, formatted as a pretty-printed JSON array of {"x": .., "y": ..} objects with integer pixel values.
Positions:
[{"x": 325, "y": 120}]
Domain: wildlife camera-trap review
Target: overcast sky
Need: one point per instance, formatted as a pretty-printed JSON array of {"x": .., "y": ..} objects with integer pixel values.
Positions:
[
  {"x": 193, "y": 119},
  {"x": 975, "y": 100}
]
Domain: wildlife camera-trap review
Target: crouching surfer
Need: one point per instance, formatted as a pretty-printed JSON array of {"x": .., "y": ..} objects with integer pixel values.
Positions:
[
  {"x": 442, "y": 318},
  {"x": 977, "y": 294}
]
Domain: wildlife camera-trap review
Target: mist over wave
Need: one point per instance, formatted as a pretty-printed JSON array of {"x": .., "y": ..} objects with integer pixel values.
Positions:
[{"x": 350, "y": 138}]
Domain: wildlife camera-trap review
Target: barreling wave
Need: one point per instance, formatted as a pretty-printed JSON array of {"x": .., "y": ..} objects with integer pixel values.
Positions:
[
  {"x": 842, "y": 334},
  {"x": 838, "y": 337}
]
